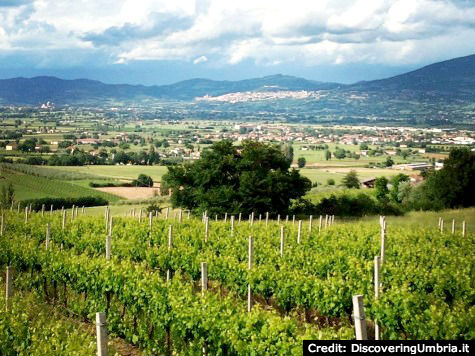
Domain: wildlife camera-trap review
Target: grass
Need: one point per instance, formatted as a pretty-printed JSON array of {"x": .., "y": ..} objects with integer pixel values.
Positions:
[
  {"x": 27, "y": 186},
  {"x": 115, "y": 172},
  {"x": 431, "y": 218}
]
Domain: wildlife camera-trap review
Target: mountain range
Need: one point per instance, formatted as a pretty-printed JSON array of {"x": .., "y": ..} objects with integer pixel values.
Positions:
[{"x": 451, "y": 80}]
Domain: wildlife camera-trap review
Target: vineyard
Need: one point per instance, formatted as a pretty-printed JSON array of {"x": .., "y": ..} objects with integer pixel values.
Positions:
[{"x": 182, "y": 285}]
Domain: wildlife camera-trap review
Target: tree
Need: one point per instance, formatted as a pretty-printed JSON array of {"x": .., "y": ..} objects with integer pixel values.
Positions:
[
  {"x": 257, "y": 178},
  {"x": 288, "y": 151},
  {"x": 351, "y": 180},
  {"x": 143, "y": 180},
  {"x": 395, "y": 183},
  {"x": 364, "y": 146},
  {"x": 328, "y": 155},
  {"x": 451, "y": 187},
  {"x": 330, "y": 181},
  {"x": 381, "y": 189},
  {"x": 301, "y": 162},
  {"x": 389, "y": 161},
  {"x": 339, "y": 153}
]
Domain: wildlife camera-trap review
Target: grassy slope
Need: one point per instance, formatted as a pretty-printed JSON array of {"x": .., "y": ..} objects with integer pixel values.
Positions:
[{"x": 34, "y": 187}]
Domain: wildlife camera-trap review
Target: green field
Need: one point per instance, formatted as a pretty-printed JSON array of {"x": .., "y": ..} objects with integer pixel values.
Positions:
[
  {"x": 34, "y": 187},
  {"x": 116, "y": 172}
]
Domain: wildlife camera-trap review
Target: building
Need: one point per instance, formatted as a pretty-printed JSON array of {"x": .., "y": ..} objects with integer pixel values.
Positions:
[
  {"x": 11, "y": 146},
  {"x": 368, "y": 183}
]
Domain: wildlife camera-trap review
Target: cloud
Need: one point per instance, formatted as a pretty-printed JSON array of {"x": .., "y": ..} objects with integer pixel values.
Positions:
[
  {"x": 200, "y": 59},
  {"x": 297, "y": 32}
]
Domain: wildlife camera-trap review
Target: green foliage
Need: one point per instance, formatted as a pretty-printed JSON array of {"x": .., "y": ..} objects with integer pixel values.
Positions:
[
  {"x": 256, "y": 178},
  {"x": 301, "y": 162},
  {"x": 330, "y": 181},
  {"x": 7, "y": 196},
  {"x": 381, "y": 189},
  {"x": 351, "y": 180},
  {"x": 389, "y": 161},
  {"x": 339, "y": 153},
  {"x": 452, "y": 186},
  {"x": 328, "y": 155},
  {"x": 58, "y": 203},
  {"x": 143, "y": 180},
  {"x": 395, "y": 189},
  {"x": 421, "y": 276},
  {"x": 33, "y": 328},
  {"x": 288, "y": 151}
]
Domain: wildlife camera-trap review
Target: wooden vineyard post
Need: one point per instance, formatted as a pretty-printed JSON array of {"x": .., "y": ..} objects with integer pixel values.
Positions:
[
  {"x": 204, "y": 277},
  {"x": 26, "y": 215},
  {"x": 442, "y": 225},
  {"x": 188, "y": 215},
  {"x": 42, "y": 210},
  {"x": 206, "y": 229},
  {"x": 150, "y": 220},
  {"x": 282, "y": 237},
  {"x": 2, "y": 226},
  {"x": 106, "y": 217},
  {"x": 140, "y": 215},
  {"x": 170, "y": 237},
  {"x": 51, "y": 209},
  {"x": 232, "y": 225},
  {"x": 310, "y": 221},
  {"x": 359, "y": 317},
  {"x": 278, "y": 219},
  {"x": 376, "y": 292},
  {"x": 63, "y": 225},
  {"x": 18, "y": 208},
  {"x": 72, "y": 213},
  {"x": 298, "y": 232},
  {"x": 101, "y": 334},
  {"x": 453, "y": 226},
  {"x": 440, "y": 221},
  {"x": 9, "y": 287},
  {"x": 47, "y": 235},
  {"x": 286, "y": 219},
  {"x": 82, "y": 210},
  {"x": 225, "y": 217},
  {"x": 293, "y": 220},
  {"x": 326, "y": 221},
  {"x": 463, "y": 228},
  {"x": 260, "y": 217},
  {"x": 180, "y": 216},
  {"x": 240, "y": 215},
  {"x": 167, "y": 212},
  {"x": 320, "y": 224},
  {"x": 267, "y": 218},
  {"x": 108, "y": 247}
]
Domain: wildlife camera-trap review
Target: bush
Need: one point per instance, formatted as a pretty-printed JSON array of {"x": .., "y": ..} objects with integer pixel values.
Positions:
[
  {"x": 109, "y": 184},
  {"x": 143, "y": 180},
  {"x": 67, "y": 203},
  {"x": 330, "y": 181},
  {"x": 345, "y": 205}
]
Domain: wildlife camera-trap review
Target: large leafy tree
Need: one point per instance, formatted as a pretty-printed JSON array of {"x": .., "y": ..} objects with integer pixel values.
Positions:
[
  {"x": 255, "y": 177},
  {"x": 454, "y": 185},
  {"x": 351, "y": 180}
]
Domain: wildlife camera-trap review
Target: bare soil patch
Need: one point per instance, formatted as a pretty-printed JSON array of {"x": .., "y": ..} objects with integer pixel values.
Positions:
[{"x": 132, "y": 192}]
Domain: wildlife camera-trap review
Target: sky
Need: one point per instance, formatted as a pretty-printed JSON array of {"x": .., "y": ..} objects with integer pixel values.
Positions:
[{"x": 164, "y": 41}]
